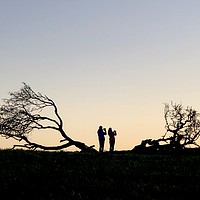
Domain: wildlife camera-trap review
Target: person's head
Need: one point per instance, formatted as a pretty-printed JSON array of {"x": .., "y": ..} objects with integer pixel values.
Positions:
[{"x": 100, "y": 127}]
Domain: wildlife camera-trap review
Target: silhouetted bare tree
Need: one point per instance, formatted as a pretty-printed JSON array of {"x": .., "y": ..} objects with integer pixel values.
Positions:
[
  {"x": 182, "y": 129},
  {"x": 22, "y": 113},
  {"x": 183, "y": 124}
]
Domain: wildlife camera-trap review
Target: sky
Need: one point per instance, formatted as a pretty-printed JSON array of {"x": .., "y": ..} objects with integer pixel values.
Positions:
[{"x": 111, "y": 62}]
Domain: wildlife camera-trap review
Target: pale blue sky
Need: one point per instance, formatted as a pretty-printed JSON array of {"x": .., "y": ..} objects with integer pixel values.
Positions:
[{"x": 109, "y": 62}]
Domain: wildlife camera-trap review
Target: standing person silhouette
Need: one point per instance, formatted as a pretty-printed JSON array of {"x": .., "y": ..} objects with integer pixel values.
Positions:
[
  {"x": 112, "y": 135},
  {"x": 101, "y": 132}
]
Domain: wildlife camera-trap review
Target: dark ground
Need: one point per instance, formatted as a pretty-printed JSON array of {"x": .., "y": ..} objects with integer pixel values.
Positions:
[{"x": 120, "y": 175}]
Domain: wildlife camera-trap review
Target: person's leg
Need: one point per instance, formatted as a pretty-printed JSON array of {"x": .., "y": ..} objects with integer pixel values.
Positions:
[
  {"x": 112, "y": 143},
  {"x": 101, "y": 144},
  {"x": 103, "y": 141}
]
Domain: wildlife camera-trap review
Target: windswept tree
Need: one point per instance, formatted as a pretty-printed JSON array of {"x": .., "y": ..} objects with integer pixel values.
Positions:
[
  {"x": 24, "y": 112},
  {"x": 182, "y": 125},
  {"x": 182, "y": 130}
]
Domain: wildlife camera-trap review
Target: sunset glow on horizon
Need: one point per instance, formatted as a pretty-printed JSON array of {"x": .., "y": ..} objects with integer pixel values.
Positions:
[{"x": 111, "y": 63}]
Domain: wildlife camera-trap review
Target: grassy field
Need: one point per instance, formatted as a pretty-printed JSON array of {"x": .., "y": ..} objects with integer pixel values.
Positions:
[{"x": 120, "y": 175}]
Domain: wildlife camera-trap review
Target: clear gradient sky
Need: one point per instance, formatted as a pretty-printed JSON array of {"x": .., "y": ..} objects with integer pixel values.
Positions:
[{"x": 110, "y": 62}]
